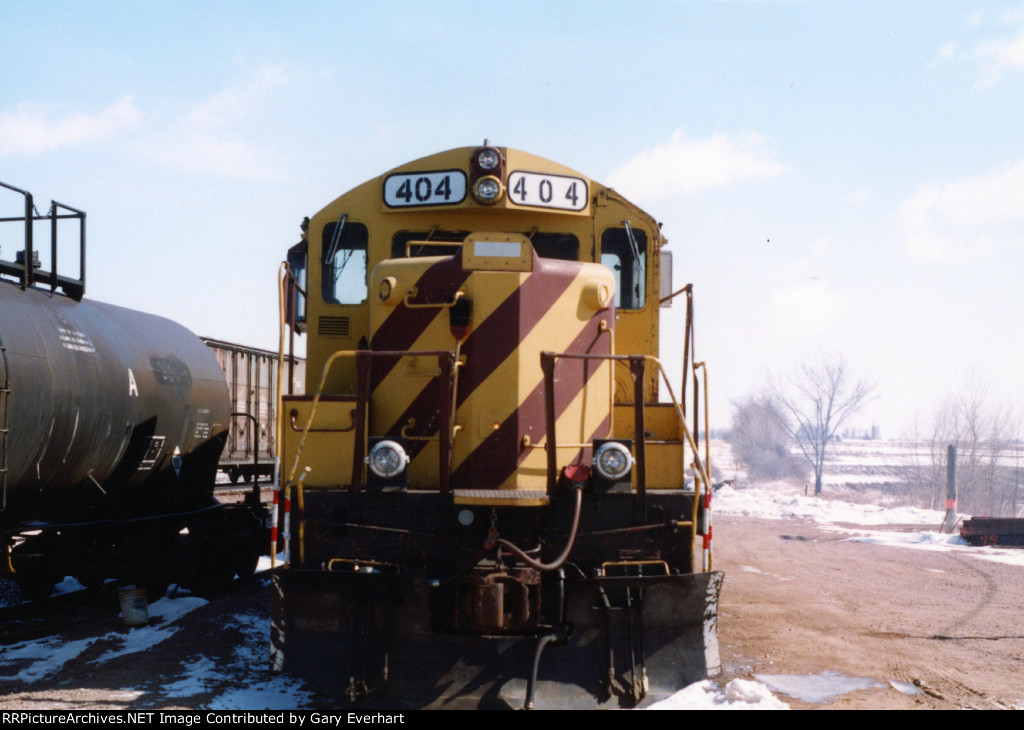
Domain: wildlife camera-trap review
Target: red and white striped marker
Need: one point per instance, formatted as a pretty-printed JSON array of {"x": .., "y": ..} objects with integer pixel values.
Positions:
[
  {"x": 707, "y": 531},
  {"x": 273, "y": 532}
]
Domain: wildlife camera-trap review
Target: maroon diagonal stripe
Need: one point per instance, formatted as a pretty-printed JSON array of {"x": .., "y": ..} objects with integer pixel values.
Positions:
[
  {"x": 497, "y": 338},
  {"x": 497, "y": 456},
  {"x": 492, "y": 342},
  {"x": 401, "y": 328}
]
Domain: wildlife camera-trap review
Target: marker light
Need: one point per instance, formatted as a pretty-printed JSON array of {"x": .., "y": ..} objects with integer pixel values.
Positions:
[
  {"x": 488, "y": 190},
  {"x": 387, "y": 459},
  {"x": 613, "y": 461}
]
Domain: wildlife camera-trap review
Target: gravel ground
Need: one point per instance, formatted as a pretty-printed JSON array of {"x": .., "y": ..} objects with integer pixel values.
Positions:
[{"x": 945, "y": 628}]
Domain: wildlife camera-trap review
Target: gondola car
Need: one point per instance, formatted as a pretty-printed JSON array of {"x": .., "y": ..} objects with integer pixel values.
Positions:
[{"x": 251, "y": 375}]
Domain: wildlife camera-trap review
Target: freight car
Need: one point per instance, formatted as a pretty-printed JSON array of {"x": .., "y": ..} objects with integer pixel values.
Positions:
[
  {"x": 492, "y": 504},
  {"x": 251, "y": 375},
  {"x": 112, "y": 422}
]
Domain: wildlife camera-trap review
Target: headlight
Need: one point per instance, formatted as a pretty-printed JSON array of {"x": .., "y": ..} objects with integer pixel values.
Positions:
[
  {"x": 613, "y": 461},
  {"x": 488, "y": 190},
  {"x": 387, "y": 459},
  {"x": 488, "y": 159}
]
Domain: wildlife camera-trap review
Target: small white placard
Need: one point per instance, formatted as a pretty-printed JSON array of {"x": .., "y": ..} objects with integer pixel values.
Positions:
[{"x": 497, "y": 248}]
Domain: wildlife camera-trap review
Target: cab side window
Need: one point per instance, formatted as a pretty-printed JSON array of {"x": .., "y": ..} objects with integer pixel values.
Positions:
[
  {"x": 624, "y": 251},
  {"x": 344, "y": 262}
]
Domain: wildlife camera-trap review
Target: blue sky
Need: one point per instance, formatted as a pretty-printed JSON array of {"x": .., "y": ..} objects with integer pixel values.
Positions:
[{"x": 832, "y": 176}]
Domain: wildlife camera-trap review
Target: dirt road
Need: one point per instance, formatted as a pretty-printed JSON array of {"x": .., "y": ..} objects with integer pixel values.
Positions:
[{"x": 799, "y": 600}]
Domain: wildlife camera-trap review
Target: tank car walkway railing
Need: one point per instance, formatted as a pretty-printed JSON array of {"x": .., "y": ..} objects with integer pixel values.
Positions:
[
  {"x": 637, "y": 365},
  {"x": 27, "y": 269}
]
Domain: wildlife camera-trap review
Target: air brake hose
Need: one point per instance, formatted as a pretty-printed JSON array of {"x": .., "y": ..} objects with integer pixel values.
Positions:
[
  {"x": 517, "y": 552},
  {"x": 531, "y": 682},
  {"x": 536, "y": 564}
]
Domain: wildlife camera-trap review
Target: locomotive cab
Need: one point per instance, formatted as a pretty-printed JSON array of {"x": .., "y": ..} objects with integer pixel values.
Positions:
[{"x": 481, "y": 469}]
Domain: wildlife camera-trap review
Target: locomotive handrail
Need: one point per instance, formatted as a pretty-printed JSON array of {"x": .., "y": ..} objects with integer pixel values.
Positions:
[
  {"x": 363, "y": 358},
  {"x": 701, "y": 467},
  {"x": 422, "y": 244},
  {"x": 294, "y": 418},
  {"x": 431, "y": 305},
  {"x": 445, "y": 358}
]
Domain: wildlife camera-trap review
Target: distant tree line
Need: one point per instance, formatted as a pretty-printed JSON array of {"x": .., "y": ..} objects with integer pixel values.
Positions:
[
  {"x": 805, "y": 409},
  {"x": 786, "y": 431},
  {"x": 990, "y": 456}
]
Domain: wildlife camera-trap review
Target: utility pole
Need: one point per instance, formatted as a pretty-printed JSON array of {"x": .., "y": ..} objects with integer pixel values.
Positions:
[{"x": 949, "y": 522}]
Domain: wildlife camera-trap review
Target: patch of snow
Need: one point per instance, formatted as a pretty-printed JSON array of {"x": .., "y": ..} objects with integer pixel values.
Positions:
[
  {"x": 258, "y": 692},
  {"x": 171, "y": 609},
  {"x": 905, "y": 687},
  {"x": 264, "y": 562},
  {"x": 739, "y": 694},
  {"x": 816, "y": 688},
  {"x": 143, "y": 638},
  {"x": 771, "y": 504},
  {"x": 275, "y": 693},
  {"x": 50, "y": 654},
  {"x": 68, "y": 585},
  {"x": 195, "y": 681}
]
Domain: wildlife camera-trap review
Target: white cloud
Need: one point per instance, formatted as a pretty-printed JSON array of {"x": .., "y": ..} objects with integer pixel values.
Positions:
[
  {"x": 236, "y": 103},
  {"x": 966, "y": 217},
  {"x": 222, "y": 155},
  {"x": 209, "y": 138},
  {"x": 999, "y": 57},
  {"x": 948, "y": 51},
  {"x": 31, "y": 130},
  {"x": 684, "y": 166},
  {"x": 1000, "y": 54}
]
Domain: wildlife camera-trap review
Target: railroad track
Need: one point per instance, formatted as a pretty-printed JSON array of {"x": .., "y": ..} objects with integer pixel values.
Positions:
[
  {"x": 31, "y": 620},
  {"x": 231, "y": 493}
]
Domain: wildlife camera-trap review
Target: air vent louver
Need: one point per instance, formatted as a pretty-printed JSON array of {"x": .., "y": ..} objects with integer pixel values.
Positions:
[{"x": 333, "y": 327}]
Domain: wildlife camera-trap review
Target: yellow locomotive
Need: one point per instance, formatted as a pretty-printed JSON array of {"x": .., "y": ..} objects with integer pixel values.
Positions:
[{"x": 491, "y": 505}]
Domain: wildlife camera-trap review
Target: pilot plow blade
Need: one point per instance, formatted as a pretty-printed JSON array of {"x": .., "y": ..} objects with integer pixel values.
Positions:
[{"x": 618, "y": 642}]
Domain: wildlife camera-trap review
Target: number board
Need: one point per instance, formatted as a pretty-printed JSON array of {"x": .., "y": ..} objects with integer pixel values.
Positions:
[
  {"x": 438, "y": 187},
  {"x": 547, "y": 191}
]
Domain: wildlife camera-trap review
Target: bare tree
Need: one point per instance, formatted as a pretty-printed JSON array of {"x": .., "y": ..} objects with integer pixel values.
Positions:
[
  {"x": 986, "y": 437},
  {"x": 819, "y": 397},
  {"x": 760, "y": 439}
]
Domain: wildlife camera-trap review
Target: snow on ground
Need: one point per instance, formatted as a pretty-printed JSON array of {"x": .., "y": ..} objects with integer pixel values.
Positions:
[
  {"x": 241, "y": 684},
  {"x": 784, "y": 500},
  {"x": 739, "y": 694},
  {"x": 776, "y": 500},
  {"x": 780, "y": 501},
  {"x": 818, "y": 688},
  {"x": 47, "y": 656}
]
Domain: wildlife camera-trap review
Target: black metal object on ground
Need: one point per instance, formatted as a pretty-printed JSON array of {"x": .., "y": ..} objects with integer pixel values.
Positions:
[{"x": 1005, "y": 531}]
